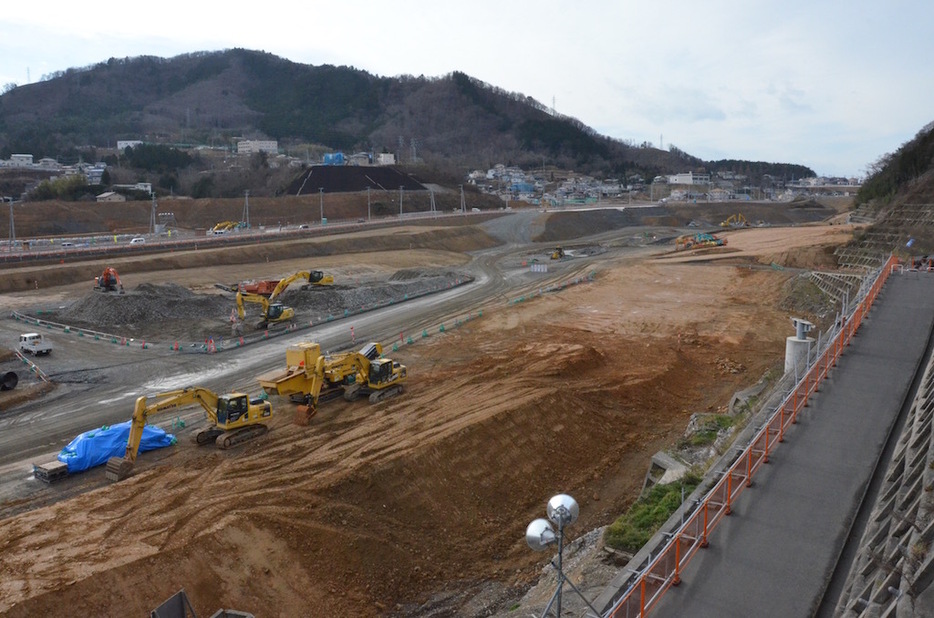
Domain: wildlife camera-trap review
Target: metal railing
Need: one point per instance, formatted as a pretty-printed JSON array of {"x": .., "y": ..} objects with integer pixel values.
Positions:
[{"x": 664, "y": 570}]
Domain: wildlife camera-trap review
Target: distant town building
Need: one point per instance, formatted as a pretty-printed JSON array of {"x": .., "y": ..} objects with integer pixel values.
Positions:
[
  {"x": 141, "y": 187},
  {"x": 252, "y": 146},
  {"x": 21, "y": 160},
  {"x": 386, "y": 158},
  {"x": 123, "y": 144},
  {"x": 690, "y": 178},
  {"x": 110, "y": 196}
]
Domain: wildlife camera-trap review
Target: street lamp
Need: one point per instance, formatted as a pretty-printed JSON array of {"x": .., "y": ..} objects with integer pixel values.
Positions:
[{"x": 563, "y": 511}]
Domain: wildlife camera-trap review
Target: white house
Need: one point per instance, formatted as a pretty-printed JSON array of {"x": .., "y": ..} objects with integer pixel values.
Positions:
[
  {"x": 252, "y": 146},
  {"x": 21, "y": 160},
  {"x": 123, "y": 144}
]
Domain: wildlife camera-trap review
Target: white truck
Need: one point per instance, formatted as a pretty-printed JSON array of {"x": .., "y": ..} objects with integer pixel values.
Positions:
[{"x": 34, "y": 343}]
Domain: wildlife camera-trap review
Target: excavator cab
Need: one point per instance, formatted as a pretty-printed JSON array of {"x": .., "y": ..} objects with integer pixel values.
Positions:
[
  {"x": 230, "y": 408},
  {"x": 275, "y": 312},
  {"x": 380, "y": 370}
]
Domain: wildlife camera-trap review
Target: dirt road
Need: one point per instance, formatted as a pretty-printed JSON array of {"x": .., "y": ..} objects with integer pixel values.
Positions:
[{"x": 422, "y": 501}]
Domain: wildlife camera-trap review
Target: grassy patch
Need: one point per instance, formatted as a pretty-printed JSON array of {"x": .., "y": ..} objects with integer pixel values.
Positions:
[
  {"x": 634, "y": 529},
  {"x": 708, "y": 432}
]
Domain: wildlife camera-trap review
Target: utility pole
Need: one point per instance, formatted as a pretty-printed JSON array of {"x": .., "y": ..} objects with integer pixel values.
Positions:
[
  {"x": 401, "y": 189},
  {"x": 152, "y": 216},
  {"x": 246, "y": 208},
  {"x": 367, "y": 203},
  {"x": 463, "y": 201},
  {"x": 12, "y": 228},
  {"x": 321, "y": 202}
]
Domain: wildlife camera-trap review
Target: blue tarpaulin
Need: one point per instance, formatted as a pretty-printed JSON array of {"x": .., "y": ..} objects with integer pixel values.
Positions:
[{"x": 95, "y": 447}]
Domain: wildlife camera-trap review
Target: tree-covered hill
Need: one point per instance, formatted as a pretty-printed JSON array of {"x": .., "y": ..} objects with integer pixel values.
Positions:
[{"x": 451, "y": 123}]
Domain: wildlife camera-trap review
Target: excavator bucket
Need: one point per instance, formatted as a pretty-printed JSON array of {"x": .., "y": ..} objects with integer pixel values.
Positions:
[
  {"x": 118, "y": 468},
  {"x": 304, "y": 414}
]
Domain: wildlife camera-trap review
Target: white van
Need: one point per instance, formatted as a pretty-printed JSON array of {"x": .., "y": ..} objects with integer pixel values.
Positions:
[
  {"x": 34, "y": 343},
  {"x": 138, "y": 240}
]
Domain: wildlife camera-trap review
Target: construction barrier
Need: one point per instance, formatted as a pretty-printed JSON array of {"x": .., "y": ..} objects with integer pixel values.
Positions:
[{"x": 664, "y": 570}]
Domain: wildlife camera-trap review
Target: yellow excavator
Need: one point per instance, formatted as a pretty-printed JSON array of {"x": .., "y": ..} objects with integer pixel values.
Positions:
[
  {"x": 272, "y": 311},
  {"x": 267, "y": 287},
  {"x": 234, "y": 418},
  {"x": 311, "y": 377},
  {"x": 737, "y": 220},
  {"x": 313, "y": 277},
  {"x": 558, "y": 253}
]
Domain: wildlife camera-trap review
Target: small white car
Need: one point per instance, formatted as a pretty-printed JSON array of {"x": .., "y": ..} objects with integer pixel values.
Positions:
[
  {"x": 138, "y": 240},
  {"x": 34, "y": 343}
]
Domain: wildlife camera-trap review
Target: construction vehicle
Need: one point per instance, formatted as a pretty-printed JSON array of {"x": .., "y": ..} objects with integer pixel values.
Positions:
[
  {"x": 225, "y": 226},
  {"x": 267, "y": 287},
  {"x": 737, "y": 220},
  {"x": 697, "y": 241},
  {"x": 109, "y": 281},
  {"x": 35, "y": 344},
  {"x": 557, "y": 254},
  {"x": 234, "y": 418},
  {"x": 312, "y": 377},
  {"x": 273, "y": 312}
]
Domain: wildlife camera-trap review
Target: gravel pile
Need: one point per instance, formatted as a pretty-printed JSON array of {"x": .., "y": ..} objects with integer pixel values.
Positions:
[
  {"x": 145, "y": 304},
  {"x": 170, "y": 311}
]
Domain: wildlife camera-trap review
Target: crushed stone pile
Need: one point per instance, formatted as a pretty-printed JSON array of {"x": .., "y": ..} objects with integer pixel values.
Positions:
[
  {"x": 171, "y": 311},
  {"x": 144, "y": 304},
  {"x": 404, "y": 284}
]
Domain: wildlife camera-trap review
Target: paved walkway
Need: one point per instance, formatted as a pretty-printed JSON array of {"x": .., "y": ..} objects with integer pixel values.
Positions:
[{"x": 775, "y": 554}]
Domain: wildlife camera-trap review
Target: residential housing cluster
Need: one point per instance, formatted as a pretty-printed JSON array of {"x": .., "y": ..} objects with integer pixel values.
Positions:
[{"x": 558, "y": 187}]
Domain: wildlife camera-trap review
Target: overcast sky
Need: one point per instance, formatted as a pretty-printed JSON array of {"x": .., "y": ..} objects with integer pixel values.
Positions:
[{"x": 828, "y": 84}]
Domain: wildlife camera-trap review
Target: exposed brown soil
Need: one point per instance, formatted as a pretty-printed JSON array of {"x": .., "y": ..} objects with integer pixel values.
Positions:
[{"x": 378, "y": 510}]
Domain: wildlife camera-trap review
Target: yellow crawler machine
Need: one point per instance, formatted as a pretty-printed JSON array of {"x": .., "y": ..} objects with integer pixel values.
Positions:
[
  {"x": 557, "y": 254},
  {"x": 312, "y": 377},
  {"x": 272, "y": 311},
  {"x": 234, "y": 418},
  {"x": 313, "y": 278}
]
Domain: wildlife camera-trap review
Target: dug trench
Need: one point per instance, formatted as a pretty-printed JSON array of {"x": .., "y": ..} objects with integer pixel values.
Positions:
[{"x": 420, "y": 502}]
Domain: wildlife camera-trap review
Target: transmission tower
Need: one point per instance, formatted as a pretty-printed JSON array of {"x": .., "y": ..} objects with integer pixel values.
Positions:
[{"x": 413, "y": 144}]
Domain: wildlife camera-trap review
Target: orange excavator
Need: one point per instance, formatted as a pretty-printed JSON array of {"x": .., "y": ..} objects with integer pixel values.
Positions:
[{"x": 109, "y": 281}]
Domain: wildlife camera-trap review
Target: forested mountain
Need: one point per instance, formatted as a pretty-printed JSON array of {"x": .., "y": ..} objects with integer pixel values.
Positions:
[
  {"x": 451, "y": 123},
  {"x": 906, "y": 175}
]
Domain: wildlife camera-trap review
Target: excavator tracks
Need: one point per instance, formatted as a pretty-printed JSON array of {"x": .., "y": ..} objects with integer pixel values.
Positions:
[
  {"x": 236, "y": 436},
  {"x": 386, "y": 393}
]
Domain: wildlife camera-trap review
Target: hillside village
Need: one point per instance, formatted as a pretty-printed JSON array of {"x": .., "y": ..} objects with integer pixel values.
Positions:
[{"x": 546, "y": 187}]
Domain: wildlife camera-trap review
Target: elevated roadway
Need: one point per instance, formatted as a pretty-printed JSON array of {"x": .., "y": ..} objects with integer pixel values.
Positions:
[{"x": 778, "y": 551}]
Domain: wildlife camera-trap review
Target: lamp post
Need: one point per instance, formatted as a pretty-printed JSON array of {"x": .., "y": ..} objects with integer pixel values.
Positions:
[
  {"x": 321, "y": 202},
  {"x": 563, "y": 511}
]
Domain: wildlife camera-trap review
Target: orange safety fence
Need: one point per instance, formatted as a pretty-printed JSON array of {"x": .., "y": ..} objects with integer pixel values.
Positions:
[{"x": 664, "y": 570}]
